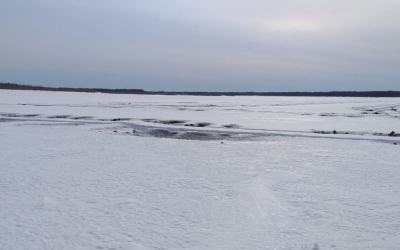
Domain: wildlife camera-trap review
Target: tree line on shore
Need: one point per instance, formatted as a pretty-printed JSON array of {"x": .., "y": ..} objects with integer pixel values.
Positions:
[{"x": 15, "y": 86}]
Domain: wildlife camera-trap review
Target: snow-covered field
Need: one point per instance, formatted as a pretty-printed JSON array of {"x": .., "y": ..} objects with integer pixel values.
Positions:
[{"x": 101, "y": 171}]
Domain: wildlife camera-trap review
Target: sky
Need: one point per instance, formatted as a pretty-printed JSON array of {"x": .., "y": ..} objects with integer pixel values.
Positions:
[{"x": 202, "y": 45}]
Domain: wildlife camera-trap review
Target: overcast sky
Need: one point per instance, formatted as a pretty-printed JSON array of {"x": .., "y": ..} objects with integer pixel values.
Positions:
[{"x": 202, "y": 45}]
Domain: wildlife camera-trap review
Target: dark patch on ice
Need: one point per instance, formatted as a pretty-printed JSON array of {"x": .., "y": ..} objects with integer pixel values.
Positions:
[
  {"x": 199, "y": 136},
  {"x": 202, "y": 136},
  {"x": 327, "y": 132},
  {"x": 149, "y": 120},
  {"x": 231, "y": 126},
  {"x": 188, "y": 135},
  {"x": 81, "y": 117},
  {"x": 194, "y": 136},
  {"x": 388, "y": 111},
  {"x": 175, "y": 134},
  {"x": 162, "y": 133},
  {"x": 202, "y": 124},
  {"x": 316, "y": 247},
  {"x": 198, "y": 125},
  {"x": 178, "y": 122},
  {"x": 335, "y": 132},
  {"x": 171, "y": 121},
  {"x": 120, "y": 119},
  {"x": 18, "y": 115},
  {"x": 132, "y": 129},
  {"x": 166, "y": 122},
  {"x": 59, "y": 116},
  {"x": 245, "y": 110},
  {"x": 328, "y": 114},
  {"x": 10, "y": 115},
  {"x": 51, "y": 124},
  {"x": 324, "y": 132},
  {"x": 6, "y": 120}
]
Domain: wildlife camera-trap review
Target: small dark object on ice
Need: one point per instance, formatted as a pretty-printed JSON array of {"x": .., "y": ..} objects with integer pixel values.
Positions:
[
  {"x": 134, "y": 131},
  {"x": 171, "y": 122},
  {"x": 376, "y": 113},
  {"x": 394, "y": 143},
  {"x": 231, "y": 126},
  {"x": 115, "y": 131},
  {"x": 392, "y": 133},
  {"x": 202, "y": 124},
  {"x": 316, "y": 247},
  {"x": 222, "y": 142},
  {"x": 334, "y": 132}
]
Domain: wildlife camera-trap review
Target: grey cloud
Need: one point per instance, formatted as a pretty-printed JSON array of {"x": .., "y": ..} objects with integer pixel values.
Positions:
[{"x": 202, "y": 45}]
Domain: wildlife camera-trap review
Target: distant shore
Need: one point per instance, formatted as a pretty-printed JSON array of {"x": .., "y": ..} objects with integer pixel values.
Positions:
[{"x": 14, "y": 86}]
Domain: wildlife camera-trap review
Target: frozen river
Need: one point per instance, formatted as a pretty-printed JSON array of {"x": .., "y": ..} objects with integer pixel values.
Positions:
[{"x": 101, "y": 171}]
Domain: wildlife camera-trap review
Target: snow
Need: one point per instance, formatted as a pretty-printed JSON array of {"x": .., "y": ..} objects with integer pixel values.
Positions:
[{"x": 74, "y": 183}]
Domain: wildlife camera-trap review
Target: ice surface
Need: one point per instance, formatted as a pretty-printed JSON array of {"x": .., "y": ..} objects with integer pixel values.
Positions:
[{"x": 90, "y": 171}]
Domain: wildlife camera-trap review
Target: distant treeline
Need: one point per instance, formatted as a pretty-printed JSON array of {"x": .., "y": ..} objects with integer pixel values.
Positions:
[{"x": 14, "y": 86}]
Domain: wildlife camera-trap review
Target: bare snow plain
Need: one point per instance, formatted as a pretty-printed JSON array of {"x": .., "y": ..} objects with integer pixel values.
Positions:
[{"x": 102, "y": 171}]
